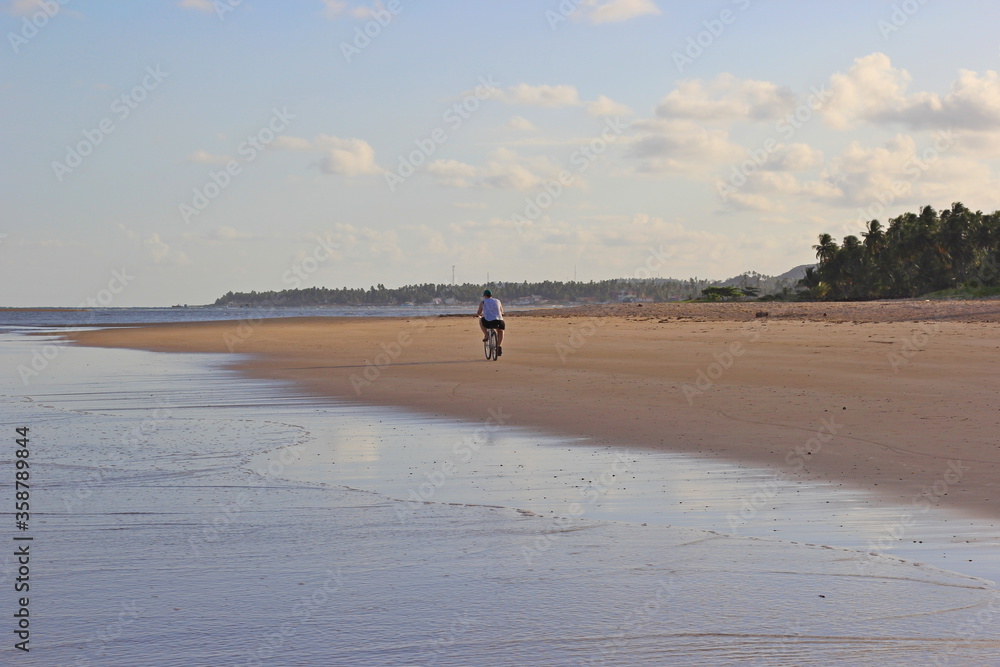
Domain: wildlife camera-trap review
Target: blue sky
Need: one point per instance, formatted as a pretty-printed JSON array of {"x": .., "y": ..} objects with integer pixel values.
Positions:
[{"x": 582, "y": 141}]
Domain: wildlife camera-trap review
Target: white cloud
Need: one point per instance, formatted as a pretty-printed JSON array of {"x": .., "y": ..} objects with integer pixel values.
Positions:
[
  {"x": 871, "y": 89},
  {"x": 366, "y": 244},
  {"x": 540, "y": 96},
  {"x": 793, "y": 157},
  {"x": 204, "y": 157},
  {"x": 898, "y": 175},
  {"x": 903, "y": 173},
  {"x": 454, "y": 173},
  {"x": 750, "y": 201},
  {"x": 874, "y": 91},
  {"x": 973, "y": 101},
  {"x": 521, "y": 124},
  {"x": 29, "y": 7},
  {"x": 767, "y": 188},
  {"x": 333, "y": 9},
  {"x": 161, "y": 252},
  {"x": 347, "y": 157},
  {"x": 681, "y": 145},
  {"x": 366, "y": 12},
  {"x": 605, "y": 106},
  {"x": 726, "y": 97},
  {"x": 615, "y": 11},
  {"x": 626, "y": 246},
  {"x": 287, "y": 143},
  {"x": 505, "y": 170},
  {"x": 222, "y": 234},
  {"x": 614, "y": 242},
  {"x": 198, "y": 5},
  {"x": 863, "y": 173}
]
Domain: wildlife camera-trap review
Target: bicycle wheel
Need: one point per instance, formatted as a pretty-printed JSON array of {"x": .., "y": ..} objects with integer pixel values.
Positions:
[
  {"x": 493, "y": 344},
  {"x": 486, "y": 344}
]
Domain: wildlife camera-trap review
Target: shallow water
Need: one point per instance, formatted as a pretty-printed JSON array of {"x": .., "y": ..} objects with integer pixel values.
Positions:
[
  {"x": 185, "y": 515},
  {"x": 417, "y": 459},
  {"x": 20, "y": 319}
]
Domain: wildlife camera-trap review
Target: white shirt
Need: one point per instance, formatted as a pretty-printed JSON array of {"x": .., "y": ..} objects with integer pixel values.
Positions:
[{"x": 491, "y": 309}]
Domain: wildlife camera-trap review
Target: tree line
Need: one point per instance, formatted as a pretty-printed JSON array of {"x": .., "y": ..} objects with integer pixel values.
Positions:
[
  {"x": 380, "y": 295},
  {"x": 917, "y": 254}
]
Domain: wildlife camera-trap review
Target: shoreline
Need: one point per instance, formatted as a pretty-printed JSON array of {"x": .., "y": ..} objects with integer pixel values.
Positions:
[{"x": 904, "y": 409}]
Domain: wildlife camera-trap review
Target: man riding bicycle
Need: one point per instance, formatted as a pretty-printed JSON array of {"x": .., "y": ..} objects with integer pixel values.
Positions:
[{"x": 490, "y": 316}]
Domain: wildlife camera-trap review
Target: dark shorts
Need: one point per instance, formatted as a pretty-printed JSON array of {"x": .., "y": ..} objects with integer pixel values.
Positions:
[{"x": 493, "y": 324}]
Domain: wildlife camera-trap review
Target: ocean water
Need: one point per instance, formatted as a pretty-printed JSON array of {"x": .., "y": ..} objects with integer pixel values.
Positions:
[
  {"x": 185, "y": 515},
  {"x": 18, "y": 319}
]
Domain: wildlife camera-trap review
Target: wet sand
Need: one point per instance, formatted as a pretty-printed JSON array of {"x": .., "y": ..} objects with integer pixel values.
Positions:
[
  {"x": 172, "y": 507},
  {"x": 895, "y": 398}
]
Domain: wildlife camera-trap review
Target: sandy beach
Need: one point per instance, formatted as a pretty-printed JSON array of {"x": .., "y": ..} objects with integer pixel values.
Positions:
[
  {"x": 341, "y": 491},
  {"x": 897, "y": 398}
]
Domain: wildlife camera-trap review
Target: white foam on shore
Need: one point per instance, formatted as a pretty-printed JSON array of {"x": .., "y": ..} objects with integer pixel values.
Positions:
[{"x": 158, "y": 544}]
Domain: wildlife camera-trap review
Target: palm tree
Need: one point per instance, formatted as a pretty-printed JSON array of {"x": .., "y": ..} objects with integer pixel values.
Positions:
[
  {"x": 850, "y": 261},
  {"x": 955, "y": 237},
  {"x": 826, "y": 250},
  {"x": 874, "y": 276}
]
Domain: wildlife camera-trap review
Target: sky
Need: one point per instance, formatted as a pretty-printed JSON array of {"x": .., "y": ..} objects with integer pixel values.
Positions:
[{"x": 165, "y": 152}]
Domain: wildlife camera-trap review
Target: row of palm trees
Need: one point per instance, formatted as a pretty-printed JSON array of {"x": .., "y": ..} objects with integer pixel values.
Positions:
[{"x": 917, "y": 254}]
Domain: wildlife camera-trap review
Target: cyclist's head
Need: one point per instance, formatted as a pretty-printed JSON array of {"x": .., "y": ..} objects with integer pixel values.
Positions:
[{"x": 487, "y": 293}]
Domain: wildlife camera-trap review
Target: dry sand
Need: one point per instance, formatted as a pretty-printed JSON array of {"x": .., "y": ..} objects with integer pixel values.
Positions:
[{"x": 909, "y": 389}]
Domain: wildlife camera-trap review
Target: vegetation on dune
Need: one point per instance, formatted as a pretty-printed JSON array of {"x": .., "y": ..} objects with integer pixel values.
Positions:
[
  {"x": 729, "y": 293},
  {"x": 954, "y": 253}
]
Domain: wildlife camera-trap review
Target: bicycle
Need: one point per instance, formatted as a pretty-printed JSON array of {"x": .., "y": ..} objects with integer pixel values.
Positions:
[{"x": 490, "y": 345}]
